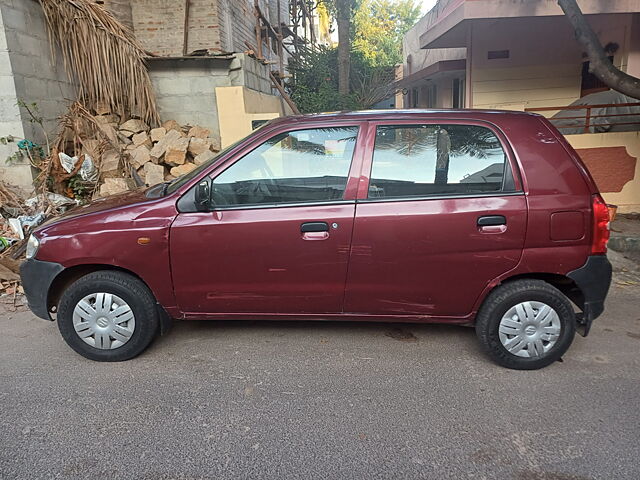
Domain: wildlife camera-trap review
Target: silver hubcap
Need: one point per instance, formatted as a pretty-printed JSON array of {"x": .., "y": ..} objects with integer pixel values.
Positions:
[
  {"x": 104, "y": 321},
  {"x": 529, "y": 329}
]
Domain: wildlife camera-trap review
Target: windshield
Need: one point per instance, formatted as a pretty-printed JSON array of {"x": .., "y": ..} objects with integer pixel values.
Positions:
[{"x": 175, "y": 184}]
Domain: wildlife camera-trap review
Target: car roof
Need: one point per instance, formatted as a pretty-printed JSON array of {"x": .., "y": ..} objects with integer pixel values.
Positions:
[{"x": 401, "y": 113}]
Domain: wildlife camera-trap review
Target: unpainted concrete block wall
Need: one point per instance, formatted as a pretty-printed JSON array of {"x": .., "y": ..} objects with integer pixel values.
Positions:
[
  {"x": 256, "y": 74},
  {"x": 185, "y": 90},
  {"x": 26, "y": 63},
  {"x": 10, "y": 120}
]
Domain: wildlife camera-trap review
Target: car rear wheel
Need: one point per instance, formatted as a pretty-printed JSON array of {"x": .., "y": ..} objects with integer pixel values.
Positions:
[
  {"x": 526, "y": 324},
  {"x": 108, "y": 316}
]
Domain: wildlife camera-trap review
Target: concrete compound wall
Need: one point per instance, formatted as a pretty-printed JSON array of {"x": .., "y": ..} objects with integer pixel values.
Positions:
[
  {"x": 187, "y": 91},
  {"x": 27, "y": 72},
  {"x": 614, "y": 161}
]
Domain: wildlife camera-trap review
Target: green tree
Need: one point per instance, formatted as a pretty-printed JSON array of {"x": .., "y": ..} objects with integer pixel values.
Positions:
[
  {"x": 353, "y": 76},
  {"x": 379, "y": 27}
]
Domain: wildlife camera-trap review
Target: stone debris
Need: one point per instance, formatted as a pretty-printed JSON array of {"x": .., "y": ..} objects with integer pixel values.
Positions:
[
  {"x": 139, "y": 156},
  {"x": 134, "y": 126},
  {"x": 176, "y": 153},
  {"x": 110, "y": 161},
  {"x": 172, "y": 125},
  {"x": 160, "y": 148},
  {"x": 141, "y": 138},
  {"x": 204, "y": 157},
  {"x": 157, "y": 134},
  {"x": 182, "y": 169},
  {"x": 126, "y": 154},
  {"x": 199, "y": 132},
  {"x": 155, "y": 155},
  {"x": 113, "y": 186},
  {"x": 153, "y": 174}
]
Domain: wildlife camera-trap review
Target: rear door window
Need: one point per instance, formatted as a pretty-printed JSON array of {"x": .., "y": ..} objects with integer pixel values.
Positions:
[
  {"x": 426, "y": 160},
  {"x": 300, "y": 166}
]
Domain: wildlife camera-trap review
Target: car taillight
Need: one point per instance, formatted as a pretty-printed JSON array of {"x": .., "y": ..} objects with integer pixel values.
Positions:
[{"x": 601, "y": 232}]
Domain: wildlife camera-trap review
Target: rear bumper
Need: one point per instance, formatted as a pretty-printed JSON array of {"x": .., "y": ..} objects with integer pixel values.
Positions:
[
  {"x": 593, "y": 279},
  {"x": 37, "y": 277}
]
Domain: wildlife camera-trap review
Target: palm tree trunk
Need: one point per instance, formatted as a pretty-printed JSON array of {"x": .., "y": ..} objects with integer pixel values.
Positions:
[
  {"x": 599, "y": 63},
  {"x": 343, "y": 19}
]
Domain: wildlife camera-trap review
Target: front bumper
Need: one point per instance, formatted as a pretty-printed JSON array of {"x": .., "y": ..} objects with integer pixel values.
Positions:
[
  {"x": 37, "y": 277},
  {"x": 593, "y": 279}
]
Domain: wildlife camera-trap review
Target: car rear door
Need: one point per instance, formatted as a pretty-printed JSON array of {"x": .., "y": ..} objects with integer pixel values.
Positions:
[
  {"x": 439, "y": 215},
  {"x": 277, "y": 238}
]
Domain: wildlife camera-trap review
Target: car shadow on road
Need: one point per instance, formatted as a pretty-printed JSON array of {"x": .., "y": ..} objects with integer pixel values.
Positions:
[{"x": 302, "y": 331}]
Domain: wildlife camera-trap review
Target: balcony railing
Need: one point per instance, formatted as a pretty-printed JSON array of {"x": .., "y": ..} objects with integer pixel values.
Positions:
[{"x": 595, "y": 118}]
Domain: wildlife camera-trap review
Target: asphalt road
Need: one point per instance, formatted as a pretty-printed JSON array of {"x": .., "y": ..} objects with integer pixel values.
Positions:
[{"x": 324, "y": 400}]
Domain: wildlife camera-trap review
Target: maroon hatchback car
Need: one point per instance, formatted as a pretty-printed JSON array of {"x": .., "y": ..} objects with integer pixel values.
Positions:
[{"x": 464, "y": 217}]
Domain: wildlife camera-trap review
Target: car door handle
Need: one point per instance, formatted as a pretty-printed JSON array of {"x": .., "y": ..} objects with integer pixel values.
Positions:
[
  {"x": 314, "y": 227},
  {"x": 491, "y": 220},
  {"x": 315, "y": 231}
]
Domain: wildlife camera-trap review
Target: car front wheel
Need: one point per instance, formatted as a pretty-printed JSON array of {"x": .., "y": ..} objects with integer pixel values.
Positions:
[
  {"x": 108, "y": 316},
  {"x": 526, "y": 324}
]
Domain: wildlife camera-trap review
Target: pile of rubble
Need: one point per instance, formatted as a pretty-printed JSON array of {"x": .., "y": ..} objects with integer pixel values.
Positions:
[{"x": 156, "y": 155}]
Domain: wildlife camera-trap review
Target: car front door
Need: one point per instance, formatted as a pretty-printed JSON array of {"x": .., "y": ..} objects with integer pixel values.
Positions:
[
  {"x": 276, "y": 239},
  {"x": 440, "y": 214}
]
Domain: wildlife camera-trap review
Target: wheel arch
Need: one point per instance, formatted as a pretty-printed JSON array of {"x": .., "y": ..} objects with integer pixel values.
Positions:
[
  {"x": 69, "y": 275},
  {"x": 562, "y": 282}
]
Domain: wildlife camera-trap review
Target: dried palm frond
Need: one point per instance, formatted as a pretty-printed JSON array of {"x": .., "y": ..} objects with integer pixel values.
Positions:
[
  {"x": 11, "y": 198},
  {"x": 103, "y": 56},
  {"x": 78, "y": 127}
]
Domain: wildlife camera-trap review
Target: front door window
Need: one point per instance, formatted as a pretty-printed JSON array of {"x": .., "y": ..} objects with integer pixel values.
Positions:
[{"x": 295, "y": 167}]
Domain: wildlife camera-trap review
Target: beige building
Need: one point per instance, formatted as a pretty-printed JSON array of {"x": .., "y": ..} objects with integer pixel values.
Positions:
[{"x": 522, "y": 55}]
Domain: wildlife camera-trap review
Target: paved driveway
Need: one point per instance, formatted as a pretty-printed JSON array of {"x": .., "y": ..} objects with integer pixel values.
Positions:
[{"x": 324, "y": 400}]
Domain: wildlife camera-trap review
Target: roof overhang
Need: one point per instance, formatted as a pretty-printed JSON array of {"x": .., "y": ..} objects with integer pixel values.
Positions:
[
  {"x": 433, "y": 71},
  {"x": 450, "y": 27}
]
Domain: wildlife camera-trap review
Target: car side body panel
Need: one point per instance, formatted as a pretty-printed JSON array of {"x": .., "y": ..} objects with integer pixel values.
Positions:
[{"x": 554, "y": 195}]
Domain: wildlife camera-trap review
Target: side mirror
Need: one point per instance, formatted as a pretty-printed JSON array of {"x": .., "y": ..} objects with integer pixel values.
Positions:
[{"x": 203, "y": 196}]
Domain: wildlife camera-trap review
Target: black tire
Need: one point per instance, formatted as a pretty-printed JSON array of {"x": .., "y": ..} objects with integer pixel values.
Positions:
[
  {"x": 130, "y": 289},
  {"x": 504, "y": 297}
]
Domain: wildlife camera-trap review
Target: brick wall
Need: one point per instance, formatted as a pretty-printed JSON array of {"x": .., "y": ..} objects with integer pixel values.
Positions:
[
  {"x": 121, "y": 9},
  {"x": 238, "y": 17},
  {"x": 220, "y": 25},
  {"x": 159, "y": 25}
]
